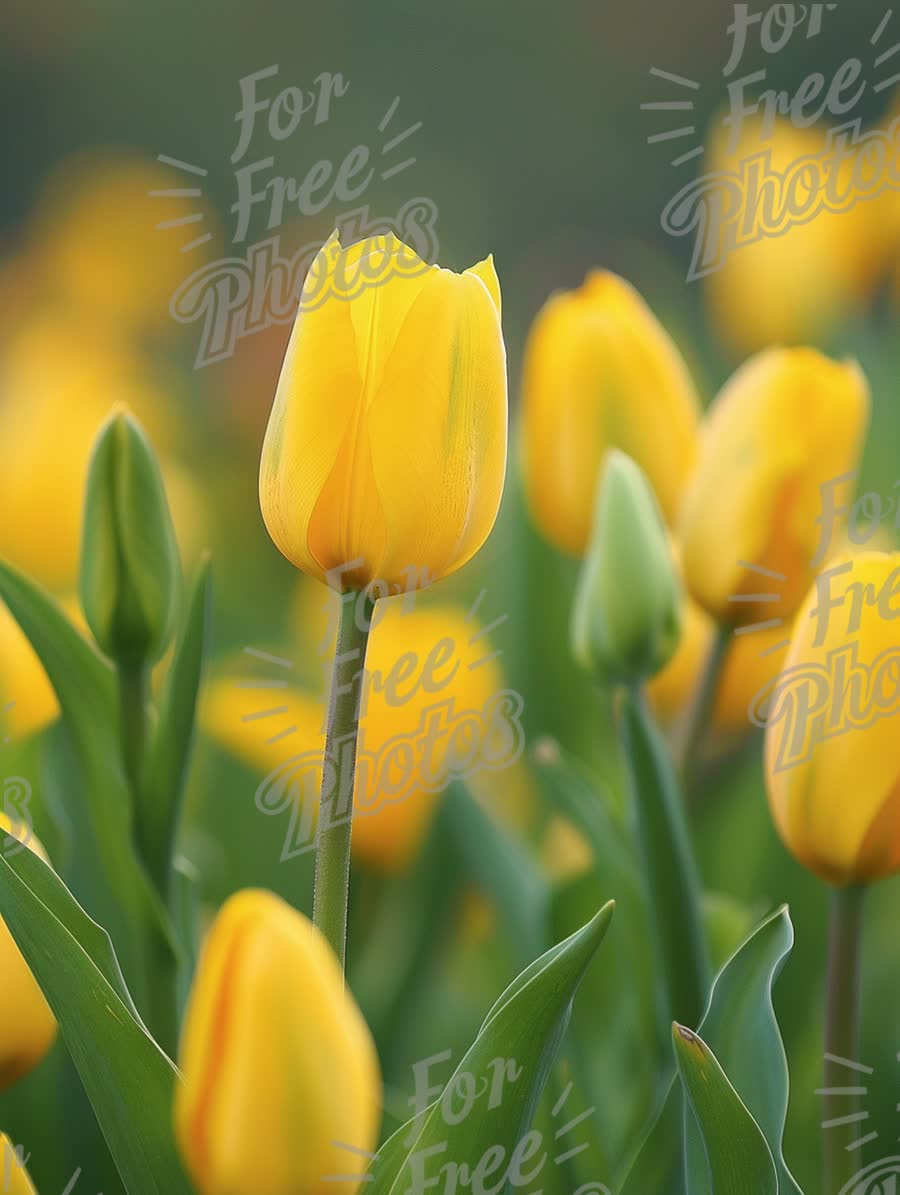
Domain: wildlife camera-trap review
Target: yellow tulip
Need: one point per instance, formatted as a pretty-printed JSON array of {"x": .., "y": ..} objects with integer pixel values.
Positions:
[
  {"x": 27, "y": 1026},
  {"x": 385, "y": 454},
  {"x": 832, "y": 755},
  {"x": 787, "y": 422},
  {"x": 281, "y": 1088},
  {"x": 106, "y": 233},
  {"x": 790, "y": 286},
  {"x": 418, "y": 662},
  {"x": 750, "y": 662},
  {"x": 600, "y": 372},
  {"x": 14, "y": 1178},
  {"x": 57, "y": 386}
]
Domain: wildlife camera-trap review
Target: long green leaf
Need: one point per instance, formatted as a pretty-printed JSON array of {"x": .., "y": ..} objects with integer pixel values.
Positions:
[
  {"x": 736, "y": 1159},
  {"x": 501, "y": 1077},
  {"x": 671, "y": 876},
  {"x": 128, "y": 1079},
  {"x": 164, "y": 779},
  {"x": 741, "y": 1028}
]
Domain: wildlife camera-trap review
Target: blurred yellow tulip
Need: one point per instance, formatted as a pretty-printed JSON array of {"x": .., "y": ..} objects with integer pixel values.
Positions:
[
  {"x": 600, "y": 372},
  {"x": 432, "y": 699},
  {"x": 27, "y": 1026},
  {"x": 57, "y": 386},
  {"x": 790, "y": 286},
  {"x": 27, "y": 700},
  {"x": 787, "y": 422},
  {"x": 385, "y": 454},
  {"x": 14, "y": 1178},
  {"x": 281, "y": 1089},
  {"x": 832, "y": 754},
  {"x": 107, "y": 236},
  {"x": 750, "y": 662}
]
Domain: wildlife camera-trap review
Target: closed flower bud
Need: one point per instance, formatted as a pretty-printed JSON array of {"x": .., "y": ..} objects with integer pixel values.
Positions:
[
  {"x": 385, "y": 454},
  {"x": 27, "y": 1026},
  {"x": 787, "y": 423},
  {"x": 130, "y": 572},
  {"x": 832, "y": 755},
  {"x": 14, "y": 1179},
  {"x": 626, "y": 619},
  {"x": 601, "y": 372},
  {"x": 281, "y": 1088}
]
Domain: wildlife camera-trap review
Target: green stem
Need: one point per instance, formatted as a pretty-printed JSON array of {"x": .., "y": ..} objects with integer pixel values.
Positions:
[
  {"x": 842, "y": 1021},
  {"x": 703, "y": 703},
  {"x": 670, "y": 871},
  {"x": 133, "y": 687},
  {"x": 332, "y": 882}
]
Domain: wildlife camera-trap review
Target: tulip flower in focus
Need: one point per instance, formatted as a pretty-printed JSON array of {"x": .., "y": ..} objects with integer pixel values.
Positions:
[
  {"x": 281, "y": 1085},
  {"x": 790, "y": 286},
  {"x": 393, "y": 807},
  {"x": 626, "y": 620},
  {"x": 14, "y": 1179},
  {"x": 27, "y": 1026},
  {"x": 387, "y": 439},
  {"x": 600, "y": 372},
  {"x": 836, "y": 799},
  {"x": 786, "y": 423}
]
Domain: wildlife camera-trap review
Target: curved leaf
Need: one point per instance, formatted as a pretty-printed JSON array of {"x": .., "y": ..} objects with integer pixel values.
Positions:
[
  {"x": 736, "y": 1159},
  {"x": 128, "y": 1079},
  {"x": 484, "y": 1113}
]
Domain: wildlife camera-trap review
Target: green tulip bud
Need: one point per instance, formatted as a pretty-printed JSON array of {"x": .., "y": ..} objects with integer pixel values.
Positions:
[
  {"x": 130, "y": 572},
  {"x": 626, "y": 621}
]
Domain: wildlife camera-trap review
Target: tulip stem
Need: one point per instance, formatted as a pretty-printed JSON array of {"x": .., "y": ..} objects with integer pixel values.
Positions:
[
  {"x": 702, "y": 705},
  {"x": 132, "y": 682},
  {"x": 842, "y": 1033},
  {"x": 332, "y": 882}
]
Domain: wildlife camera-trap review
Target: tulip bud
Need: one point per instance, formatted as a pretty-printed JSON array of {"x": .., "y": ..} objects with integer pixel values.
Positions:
[
  {"x": 787, "y": 423},
  {"x": 27, "y": 1026},
  {"x": 831, "y": 753},
  {"x": 14, "y": 1178},
  {"x": 281, "y": 1088},
  {"x": 601, "y": 372},
  {"x": 130, "y": 571},
  {"x": 627, "y": 615},
  {"x": 385, "y": 454}
]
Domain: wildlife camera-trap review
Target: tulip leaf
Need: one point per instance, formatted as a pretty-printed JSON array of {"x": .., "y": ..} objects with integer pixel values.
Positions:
[
  {"x": 481, "y": 1120},
  {"x": 109, "y": 876},
  {"x": 673, "y": 886},
  {"x": 165, "y": 776},
  {"x": 737, "y": 1159},
  {"x": 128, "y": 1079},
  {"x": 741, "y": 1028}
]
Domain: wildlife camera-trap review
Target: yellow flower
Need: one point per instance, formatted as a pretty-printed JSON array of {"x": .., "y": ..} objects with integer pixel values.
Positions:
[
  {"x": 14, "y": 1178},
  {"x": 787, "y": 422},
  {"x": 600, "y": 372},
  {"x": 281, "y": 1080},
  {"x": 429, "y": 699},
  {"x": 96, "y": 233},
  {"x": 790, "y": 286},
  {"x": 57, "y": 386},
  {"x": 387, "y": 440},
  {"x": 832, "y": 753},
  {"x": 750, "y": 663},
  {"x": 27, "y": 1026}
]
